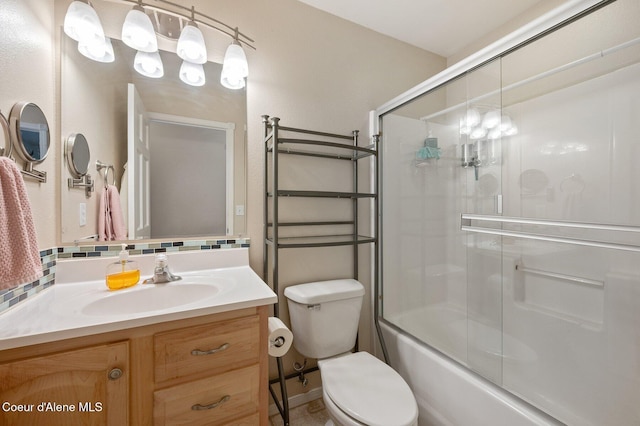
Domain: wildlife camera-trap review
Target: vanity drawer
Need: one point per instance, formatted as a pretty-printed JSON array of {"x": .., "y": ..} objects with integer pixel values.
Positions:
[
  {"x": 229, "y": 398},
  {"x": 207, "y": 349}
]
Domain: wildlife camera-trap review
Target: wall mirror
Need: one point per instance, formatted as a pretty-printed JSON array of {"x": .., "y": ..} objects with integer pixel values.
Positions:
[
  {"x": 78, "y": 154},
  {"x": 30, "y": 132},
  {"x": 96, "y": 101}
]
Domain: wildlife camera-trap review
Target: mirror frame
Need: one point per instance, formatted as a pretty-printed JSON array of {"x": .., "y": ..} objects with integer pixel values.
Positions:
[
  {"x": 15, "y": 117},
  {"x": 70, "y": 144}
]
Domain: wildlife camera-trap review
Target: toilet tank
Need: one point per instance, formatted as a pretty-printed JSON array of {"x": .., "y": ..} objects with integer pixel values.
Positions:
[{"x": 324, "y": 316}]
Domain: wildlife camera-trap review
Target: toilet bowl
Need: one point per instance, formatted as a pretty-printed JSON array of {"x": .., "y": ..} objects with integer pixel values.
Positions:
[{"x": 358, "y": 388}]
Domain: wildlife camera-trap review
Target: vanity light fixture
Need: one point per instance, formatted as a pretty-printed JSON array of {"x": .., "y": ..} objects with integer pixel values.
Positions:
[
  {"x": 138, "y": 32},
  {"x": 192, "y": 74},
  {"x": 148, "y": 64}
]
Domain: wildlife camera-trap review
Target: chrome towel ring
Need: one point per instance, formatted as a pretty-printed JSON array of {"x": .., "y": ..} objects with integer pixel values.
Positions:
[{"x": 106, "y": 167}]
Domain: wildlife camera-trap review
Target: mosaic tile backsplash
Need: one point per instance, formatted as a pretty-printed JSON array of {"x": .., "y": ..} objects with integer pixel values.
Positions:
[{"x": 49, "y": 257}]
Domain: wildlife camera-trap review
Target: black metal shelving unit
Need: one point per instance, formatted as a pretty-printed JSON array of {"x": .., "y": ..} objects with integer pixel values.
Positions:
[{"x": 302, "y": 142}]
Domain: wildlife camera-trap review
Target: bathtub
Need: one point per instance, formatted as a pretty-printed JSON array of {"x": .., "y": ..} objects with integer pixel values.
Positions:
[{"x": 450, "y": 394}]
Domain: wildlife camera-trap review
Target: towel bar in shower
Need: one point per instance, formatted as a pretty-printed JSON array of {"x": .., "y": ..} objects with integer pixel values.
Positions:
[
  {"x": 466, "y": 219},
  {"x": 578, "y": 280}
]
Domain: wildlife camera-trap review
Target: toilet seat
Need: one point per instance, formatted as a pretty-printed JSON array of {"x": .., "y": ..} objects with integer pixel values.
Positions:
[{"x": 368, "y": 390}]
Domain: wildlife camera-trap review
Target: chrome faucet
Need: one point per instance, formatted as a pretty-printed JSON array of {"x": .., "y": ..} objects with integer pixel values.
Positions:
[{"x": 161, "y": 272}]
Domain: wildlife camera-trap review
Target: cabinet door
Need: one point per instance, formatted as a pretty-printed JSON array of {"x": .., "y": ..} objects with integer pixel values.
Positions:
[{"x": 86, "y": 386}]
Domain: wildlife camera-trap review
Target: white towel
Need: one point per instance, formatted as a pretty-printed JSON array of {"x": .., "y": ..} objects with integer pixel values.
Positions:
[{"x": 19, "y": 254}]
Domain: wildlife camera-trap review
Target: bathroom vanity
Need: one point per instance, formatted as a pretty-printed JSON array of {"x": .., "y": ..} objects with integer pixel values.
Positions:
[{"x": 201, "y": 362}]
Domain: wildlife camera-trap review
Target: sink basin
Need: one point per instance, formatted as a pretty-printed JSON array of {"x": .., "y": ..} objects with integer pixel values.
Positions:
[{"x": 145, "y": 298}]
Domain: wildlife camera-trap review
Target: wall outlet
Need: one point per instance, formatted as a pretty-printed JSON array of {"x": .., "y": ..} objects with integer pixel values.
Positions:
[
  {"x": 82, "y": 214},
  {"x": 240, "y": 210}
]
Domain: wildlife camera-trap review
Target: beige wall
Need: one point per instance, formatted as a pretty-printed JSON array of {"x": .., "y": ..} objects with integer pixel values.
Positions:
[
  {"x": 311, "y": 69},
  {"x": 27, "y": 73},
  {"x": 534, "y": 12}
]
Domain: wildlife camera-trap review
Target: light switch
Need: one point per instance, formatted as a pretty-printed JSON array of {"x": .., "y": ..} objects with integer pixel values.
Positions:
[
  {"x": 240, "y": 210},
  {"x": 82, "y": 214}
]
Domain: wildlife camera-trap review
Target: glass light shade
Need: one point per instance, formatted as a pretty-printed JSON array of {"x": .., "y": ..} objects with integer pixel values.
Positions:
[
  {"x": 191, "y": 45},
  {"x": 513, "y": 130},
  {"x": 478, "y": 133},
  {"x": 472, "y": 118},
  {"x": 100, "y": 52},
  {"x": 138, "y": 32},
  {"x": 491, "y": 119},
  {"x": 505, "y": 123},
  {"x": 192, "y": 74},
  {"x": 82, "y": 23},
  {"x": 494, "y": 133},
  {"x": 231, "y": 82},
  {"x": 149, "y": 64}
]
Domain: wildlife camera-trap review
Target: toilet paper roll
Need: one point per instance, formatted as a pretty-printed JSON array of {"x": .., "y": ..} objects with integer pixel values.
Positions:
[{"x": 280, "y": 337}]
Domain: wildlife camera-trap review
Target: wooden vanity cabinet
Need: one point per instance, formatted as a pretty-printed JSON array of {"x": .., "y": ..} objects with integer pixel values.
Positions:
[{"x": 209, "y": 370}]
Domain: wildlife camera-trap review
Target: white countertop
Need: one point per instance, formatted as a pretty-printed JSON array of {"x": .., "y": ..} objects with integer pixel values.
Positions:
[{"x": 65, "y": 310}]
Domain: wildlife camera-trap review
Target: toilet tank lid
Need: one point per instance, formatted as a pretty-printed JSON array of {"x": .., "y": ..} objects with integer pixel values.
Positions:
[{"x": 324, "y": 291}]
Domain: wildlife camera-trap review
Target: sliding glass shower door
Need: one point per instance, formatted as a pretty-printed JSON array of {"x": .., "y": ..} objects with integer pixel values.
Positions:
[{"x": 511, "y": 219}]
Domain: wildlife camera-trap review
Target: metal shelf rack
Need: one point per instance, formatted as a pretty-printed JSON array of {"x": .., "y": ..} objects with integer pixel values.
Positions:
[{"x": 303, "y": 142}]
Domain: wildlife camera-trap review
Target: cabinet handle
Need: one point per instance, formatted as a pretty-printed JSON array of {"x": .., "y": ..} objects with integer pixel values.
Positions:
[
  {"x": 211, "y": 406},
  {"x": 115, "y": 374},
  {"x": 210, "y": 351}
]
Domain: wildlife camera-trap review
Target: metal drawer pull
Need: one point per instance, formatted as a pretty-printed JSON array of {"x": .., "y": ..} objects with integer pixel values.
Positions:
[
  {"x": 211, "y": 406},
  {"x": 210, "y": 351}
]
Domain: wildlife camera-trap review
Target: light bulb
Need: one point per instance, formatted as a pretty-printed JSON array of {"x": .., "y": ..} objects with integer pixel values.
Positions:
[
  {"x": 192, "y": 74},
  {"x": 230, "y": 81},
  {"x": 98, "y": 51},
  {"x": 149, "y": 64}
]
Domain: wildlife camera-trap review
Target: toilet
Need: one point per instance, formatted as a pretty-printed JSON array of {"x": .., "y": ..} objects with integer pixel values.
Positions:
[{"x": 358, "y": 389}]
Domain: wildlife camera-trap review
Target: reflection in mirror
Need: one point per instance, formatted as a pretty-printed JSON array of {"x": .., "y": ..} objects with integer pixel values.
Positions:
[
  {"x": 95, "y": 102},
  {"x": 77, "y": 153},
  {"x": 31, "y": 132}
]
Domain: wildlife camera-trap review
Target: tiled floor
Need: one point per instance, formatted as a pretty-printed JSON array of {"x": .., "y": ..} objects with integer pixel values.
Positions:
[{"x": 312, "y": 414}]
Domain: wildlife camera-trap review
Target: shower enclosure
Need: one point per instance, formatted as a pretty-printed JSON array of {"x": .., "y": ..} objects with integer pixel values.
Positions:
[{"x": 510, "y": 217}]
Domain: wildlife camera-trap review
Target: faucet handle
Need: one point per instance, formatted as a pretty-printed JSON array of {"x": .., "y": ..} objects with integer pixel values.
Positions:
[{"x": 161, "y": 260}]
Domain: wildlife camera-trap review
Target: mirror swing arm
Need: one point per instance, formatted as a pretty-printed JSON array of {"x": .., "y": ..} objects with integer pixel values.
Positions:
[{"x": 84, "y": 182}]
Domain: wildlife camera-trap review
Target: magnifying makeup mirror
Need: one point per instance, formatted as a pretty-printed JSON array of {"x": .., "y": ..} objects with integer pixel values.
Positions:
[
  {"x": 31, "y": 137},
  {"x": 31, "y": 131},
  {"x": 78, "y": 154}
]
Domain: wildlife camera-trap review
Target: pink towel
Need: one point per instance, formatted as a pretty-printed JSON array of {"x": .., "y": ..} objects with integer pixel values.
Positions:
[
  {"x": 110, "y": 220},
  {"x": 19, "y": 254}
]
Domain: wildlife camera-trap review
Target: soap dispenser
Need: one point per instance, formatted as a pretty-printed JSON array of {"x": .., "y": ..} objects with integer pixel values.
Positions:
[{"x": 123, "y": 273}]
